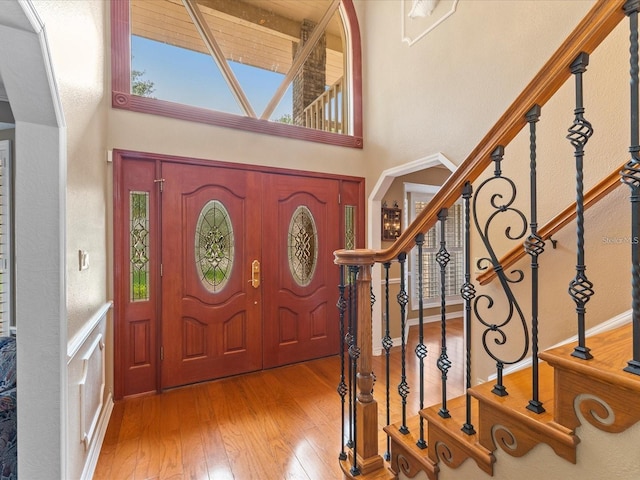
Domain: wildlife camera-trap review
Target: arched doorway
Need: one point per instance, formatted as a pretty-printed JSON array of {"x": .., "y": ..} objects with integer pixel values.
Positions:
[{"x": 40, "y": 179}]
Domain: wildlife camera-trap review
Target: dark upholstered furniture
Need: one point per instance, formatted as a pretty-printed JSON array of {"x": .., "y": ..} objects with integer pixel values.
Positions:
[{"x": 8, "y": 414}]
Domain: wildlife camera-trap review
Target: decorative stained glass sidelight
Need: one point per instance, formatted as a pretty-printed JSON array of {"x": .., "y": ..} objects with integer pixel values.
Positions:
[
  {"x": 214, "y": 246},
  {"x": 349, "y": 227},
  {"x": 302, "y": 246},
  {"x": 139, "y": 239}
]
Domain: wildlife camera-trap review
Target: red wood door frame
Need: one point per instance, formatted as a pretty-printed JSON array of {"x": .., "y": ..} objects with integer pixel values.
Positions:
[{"x": 137, "y": 340}]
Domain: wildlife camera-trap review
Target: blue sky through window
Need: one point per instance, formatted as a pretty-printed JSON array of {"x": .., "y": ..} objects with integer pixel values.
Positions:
[{"x": 192, "y": 78}]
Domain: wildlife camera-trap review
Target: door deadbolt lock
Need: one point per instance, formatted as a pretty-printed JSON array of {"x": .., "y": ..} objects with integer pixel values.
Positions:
[{"x": 255, "y": 274}]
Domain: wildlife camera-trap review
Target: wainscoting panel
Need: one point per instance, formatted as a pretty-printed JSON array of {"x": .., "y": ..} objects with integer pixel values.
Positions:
[
  {"x": 92, "y": 389},
  {"x": 89, "y": 400}
]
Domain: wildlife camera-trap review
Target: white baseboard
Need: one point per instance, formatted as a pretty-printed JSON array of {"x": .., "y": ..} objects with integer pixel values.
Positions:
[
  {"x": 96, "y": 445},
  {"x": 617, "y": 321}
]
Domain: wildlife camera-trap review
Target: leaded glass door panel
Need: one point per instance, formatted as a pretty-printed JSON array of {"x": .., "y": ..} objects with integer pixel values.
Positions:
[
  {"x": 211, "y": 313},
  {"x": 136, "y": 274},
  {"x": 301, "y": 231}
]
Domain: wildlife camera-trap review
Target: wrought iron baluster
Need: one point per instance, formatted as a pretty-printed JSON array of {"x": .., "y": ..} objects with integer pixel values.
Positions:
[
  {"x": 403, "y": 299},
  {"x": 354, "y": 354},
  {"x": 631, "y": 176},
  {"x": 342, "y": 386},
  {"x": 534, "y": 246},
  {"x": 580, "y": 288},
  {"x": 421, "y": 349},
  {"x": 501, "y": 202},
  {"x": 387, "y": 343},
  {"x": 468, "y": 293},
  {"x": 443, "y": 257}
]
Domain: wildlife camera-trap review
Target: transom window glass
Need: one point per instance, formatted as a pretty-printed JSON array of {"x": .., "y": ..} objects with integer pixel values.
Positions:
[{"x": 277, "y": 60}]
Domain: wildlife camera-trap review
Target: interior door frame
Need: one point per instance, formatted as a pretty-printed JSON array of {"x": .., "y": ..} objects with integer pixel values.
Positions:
[{"x": 120, "y": 240}]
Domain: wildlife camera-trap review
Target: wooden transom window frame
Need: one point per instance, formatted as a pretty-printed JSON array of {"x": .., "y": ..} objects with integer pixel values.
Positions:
[{"x": 122, "y": 98}]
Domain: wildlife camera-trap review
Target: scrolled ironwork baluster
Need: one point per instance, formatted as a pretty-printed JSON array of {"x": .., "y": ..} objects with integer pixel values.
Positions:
[
  {"x": 502, "y": 204},
  {"x": 468, "y": 293},
  {"x": 387, "y": 344},
  {"x": 342, "y": 386},
  {"x": 534, "y": 246},
  {"x": 403, "y": 299},
  {"x": 580, "y": 288},
  {"x": 631, "y": 177},
  {"x": 421, "y": 349},
  {"x": 444, "y": 364}
]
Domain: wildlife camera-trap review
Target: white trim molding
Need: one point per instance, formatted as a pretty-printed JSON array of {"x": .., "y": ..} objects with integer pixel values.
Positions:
[
  {"x": 74, "y": 344},
  {"x": 91, "y": 388},
  {"x": 374, "y": 228}
]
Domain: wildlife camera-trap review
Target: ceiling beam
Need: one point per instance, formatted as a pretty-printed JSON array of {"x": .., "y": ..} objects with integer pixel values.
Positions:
[{"x": 247, "y": 14}]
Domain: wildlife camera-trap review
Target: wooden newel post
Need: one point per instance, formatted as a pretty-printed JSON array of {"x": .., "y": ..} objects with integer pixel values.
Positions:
[{"x": 366, "y": 407}]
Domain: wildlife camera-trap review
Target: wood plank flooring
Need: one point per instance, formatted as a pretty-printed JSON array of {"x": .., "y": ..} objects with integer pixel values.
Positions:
[{"x": 282, "y": 423}]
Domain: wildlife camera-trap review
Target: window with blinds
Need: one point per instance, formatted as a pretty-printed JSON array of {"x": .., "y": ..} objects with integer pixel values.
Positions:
[
  {"x": 454, "y": 270},
  {"x": 7, "y": 322}
]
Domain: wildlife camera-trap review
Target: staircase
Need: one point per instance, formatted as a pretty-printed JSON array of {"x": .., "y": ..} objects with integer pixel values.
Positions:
[
  {"x": 590, "y": 399},
  {"x": 578, "y": 401},
  {"x": 597, "y": 393}
]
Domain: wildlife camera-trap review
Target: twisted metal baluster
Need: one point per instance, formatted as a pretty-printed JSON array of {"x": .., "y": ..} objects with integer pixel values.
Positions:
[
  {"x": 403, "y": 299},
  {"x": 342, "y": 386},
  {"x": 354, "y": 354},
  {"x": 534, "y": 246},
  {"x": 468, "y": 293},
  {"x": 421, "y": 349},
  {"x": 631, "y": 176},
  {"x": 372, "y": 300},
  {"x": 580, "y": 288},
  {"x": 387, "y": 343},
  {"x": 492, "y": 327},
  {"x": 443, "y": 257}
]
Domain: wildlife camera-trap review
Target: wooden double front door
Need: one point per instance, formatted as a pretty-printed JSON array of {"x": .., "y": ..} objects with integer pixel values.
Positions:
[{"x": 222, "y": 270}]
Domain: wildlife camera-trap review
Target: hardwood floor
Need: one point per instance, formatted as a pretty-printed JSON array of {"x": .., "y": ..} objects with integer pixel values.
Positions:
[{"x": 282, "y": 423}]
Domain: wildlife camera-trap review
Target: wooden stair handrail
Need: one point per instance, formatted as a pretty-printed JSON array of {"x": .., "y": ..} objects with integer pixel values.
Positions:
[
  {"x": 590, "y": 32},
  {"x": 557, "y": 223}
]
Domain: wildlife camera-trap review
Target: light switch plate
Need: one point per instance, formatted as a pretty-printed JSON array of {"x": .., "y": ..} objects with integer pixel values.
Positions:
[{"x": 83, "y": 259}]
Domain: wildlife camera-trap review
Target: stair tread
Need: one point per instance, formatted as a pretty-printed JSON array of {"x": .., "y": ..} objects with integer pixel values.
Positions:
[
  {"x": 611, "y": 351},
  {"x": 410, "y": 438},
  {"x": 453, "y": 424},
  {"x": 519, "y": 388}
]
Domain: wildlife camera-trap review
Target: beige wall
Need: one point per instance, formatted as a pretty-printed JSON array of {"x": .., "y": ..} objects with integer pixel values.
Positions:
[
  {"x": 606, "y": 85},
  {"x": 456, "y": 81},
  {"x": 77, "y": 34},
  {"x": 145, "y": 133}
]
